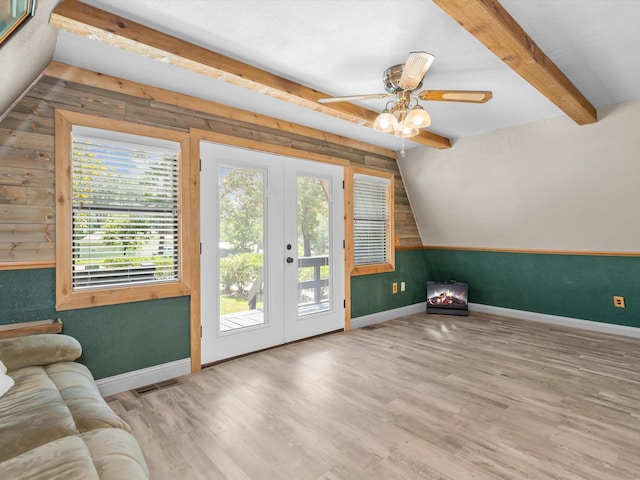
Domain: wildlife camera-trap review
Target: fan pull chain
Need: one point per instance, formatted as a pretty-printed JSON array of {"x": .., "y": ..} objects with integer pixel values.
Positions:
[{"x": 402, "y": 152}]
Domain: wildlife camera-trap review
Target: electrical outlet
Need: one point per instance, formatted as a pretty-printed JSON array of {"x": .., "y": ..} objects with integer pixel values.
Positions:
[
  {"x": 618, "y": 301},
  {"x": 394, "y": 287},
  {"x": 402, "y": 286}
]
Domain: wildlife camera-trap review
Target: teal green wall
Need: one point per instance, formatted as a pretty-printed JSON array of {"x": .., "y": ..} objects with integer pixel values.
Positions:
[
  {"x": 115, "y": 339},
  {"x": 122, "y": 338},
  {"x": 373, "y": 293},
  {"x": 27, "y": 295},
  {"x": 575, "y": 286}
]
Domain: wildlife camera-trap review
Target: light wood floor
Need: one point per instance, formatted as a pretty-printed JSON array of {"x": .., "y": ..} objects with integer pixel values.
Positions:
[{"x": 421, "y": 397}]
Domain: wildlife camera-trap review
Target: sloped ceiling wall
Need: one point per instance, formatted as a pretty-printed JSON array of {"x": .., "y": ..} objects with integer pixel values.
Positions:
[
  {"x": 547, "y": 185},
  {"x": 25, "y": 54}
]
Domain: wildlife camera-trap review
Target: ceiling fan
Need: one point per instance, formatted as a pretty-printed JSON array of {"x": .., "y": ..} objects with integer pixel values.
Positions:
[{"x": 400, "y": 117}]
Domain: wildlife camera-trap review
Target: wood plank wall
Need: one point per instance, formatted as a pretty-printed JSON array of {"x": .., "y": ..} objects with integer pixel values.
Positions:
[{"x": 27, "y": 203}]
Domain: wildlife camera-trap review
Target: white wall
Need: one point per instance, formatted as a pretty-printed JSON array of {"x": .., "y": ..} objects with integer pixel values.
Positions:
[
  {"x": 546, "y": 185},
  {"x": 25, "y": 53}
]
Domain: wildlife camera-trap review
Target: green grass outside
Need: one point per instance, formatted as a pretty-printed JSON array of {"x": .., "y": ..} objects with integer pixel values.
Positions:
[{"x": 235, "y": 304}]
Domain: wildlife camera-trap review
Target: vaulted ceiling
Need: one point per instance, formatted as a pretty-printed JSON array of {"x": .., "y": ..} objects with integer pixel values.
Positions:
[{"x": 540, "y": 58}]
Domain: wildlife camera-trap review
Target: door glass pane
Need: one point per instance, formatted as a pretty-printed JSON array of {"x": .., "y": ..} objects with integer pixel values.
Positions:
[
  {"x": 241, "y": 247},
  {"x": 313, "y": 245}
]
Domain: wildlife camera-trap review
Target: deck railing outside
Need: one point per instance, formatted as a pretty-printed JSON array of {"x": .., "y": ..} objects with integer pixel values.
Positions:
[{"x": 303, "y": 262}]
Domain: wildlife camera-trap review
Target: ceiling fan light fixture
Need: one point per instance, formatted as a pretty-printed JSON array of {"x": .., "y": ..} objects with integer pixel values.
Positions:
[
  {"x": 406, "y": 130},
  {"x": 385, "y": 122},
  {"x": 401, "y": 81},
  {"x": 418, "y": 117},
  {"x": 401, "y": 121}
]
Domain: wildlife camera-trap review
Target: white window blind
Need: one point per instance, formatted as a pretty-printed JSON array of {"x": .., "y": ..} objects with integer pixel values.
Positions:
[
  {"x": 124, "y": 209},
  {"x": 371, "y": 218}
]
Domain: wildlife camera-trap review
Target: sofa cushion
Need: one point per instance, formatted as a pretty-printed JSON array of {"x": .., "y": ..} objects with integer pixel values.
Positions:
[
  {"x": 116, "y": 454},
  {"x": 81, "y": 395},
  {"x": 105, "y": 454},
  {"x": 32, "y": 413},
  {"x": 60, "y": 459},
  {"x": 51, "y": 402},
  {"x": 20, "y": 352}
]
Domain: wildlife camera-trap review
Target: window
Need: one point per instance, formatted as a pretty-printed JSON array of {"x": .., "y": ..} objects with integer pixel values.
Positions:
[
  {"x": 121, "y": 227},
  {"x": 124, "y": 203},
  {"x": 372, "y": 219}
]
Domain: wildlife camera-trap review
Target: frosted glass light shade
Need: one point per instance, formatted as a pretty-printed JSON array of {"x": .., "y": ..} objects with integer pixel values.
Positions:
[
  {"x": 418, "y": 117},
  {"x": 385, "y": 122},
  {"x": 406, "y": 130}
]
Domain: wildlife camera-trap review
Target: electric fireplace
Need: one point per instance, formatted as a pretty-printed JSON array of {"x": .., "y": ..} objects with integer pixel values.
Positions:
[{"x": 448, "y": 298}]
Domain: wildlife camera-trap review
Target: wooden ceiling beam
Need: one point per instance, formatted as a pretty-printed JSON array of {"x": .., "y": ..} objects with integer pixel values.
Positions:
[
  {"x": 492, "y": 25},
  {"x": 128, "y": 87},
  {"x": 88, "y": 21}
]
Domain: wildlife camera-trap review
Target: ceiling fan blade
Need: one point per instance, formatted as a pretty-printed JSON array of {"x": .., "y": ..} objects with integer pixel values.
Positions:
[
  {"x": 414, "y": 69},
  {"x": 469, "y": 96},
  {"x": 350, "y": 98}
]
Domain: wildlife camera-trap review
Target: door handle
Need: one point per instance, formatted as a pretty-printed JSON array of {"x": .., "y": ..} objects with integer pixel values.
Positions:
[{"x": 289, "y": 260}]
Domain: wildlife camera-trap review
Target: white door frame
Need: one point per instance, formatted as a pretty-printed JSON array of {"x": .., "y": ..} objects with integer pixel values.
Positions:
[
  {"x": 273, "y": 332},
  {"x": 297, "y": 327}
]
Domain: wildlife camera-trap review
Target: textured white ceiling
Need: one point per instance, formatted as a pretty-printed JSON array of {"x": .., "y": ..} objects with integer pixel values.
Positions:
[
  {"x": 595, "y": 43},
  {"x": 342, "y": 47}
]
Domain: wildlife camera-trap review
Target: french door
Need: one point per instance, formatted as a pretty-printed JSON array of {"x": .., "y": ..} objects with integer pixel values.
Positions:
[{"x": 272, "y": 263}]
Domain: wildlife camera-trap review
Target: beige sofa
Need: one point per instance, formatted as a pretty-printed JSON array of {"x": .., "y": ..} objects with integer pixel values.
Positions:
[{"x": 54, "y": 423}]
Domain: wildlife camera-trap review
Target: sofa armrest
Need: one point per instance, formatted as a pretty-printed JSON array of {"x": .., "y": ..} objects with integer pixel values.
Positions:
[{"x": 37, "y": 350}]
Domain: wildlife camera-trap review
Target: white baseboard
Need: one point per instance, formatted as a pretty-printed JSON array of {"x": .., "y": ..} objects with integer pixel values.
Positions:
[
  {"x": 374, "y": 318},
  {"x": 146, "y": 376},
  {"x": 601, "y": 327}
]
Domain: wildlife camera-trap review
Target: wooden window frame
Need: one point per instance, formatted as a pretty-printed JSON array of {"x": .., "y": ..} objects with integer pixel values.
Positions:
[
  {"x": 66, "y": 298},
  {"x": 388, "y": 266}
]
